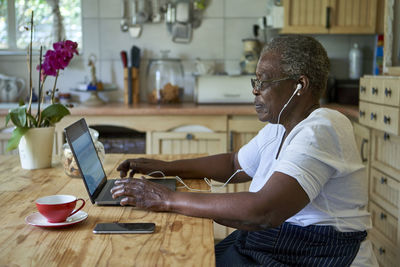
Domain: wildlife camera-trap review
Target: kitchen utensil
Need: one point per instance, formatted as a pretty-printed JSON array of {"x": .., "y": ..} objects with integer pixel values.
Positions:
[
  {"x": 135, "y": 64},
  {"x": 135, "y": 56},
  {"x": 127, "y": 78},
  {"x": 125, "y": 16},
  {"x": 10, "y": 88},
  {"x": 155, "y": 14},
  {"x": 179, "y": 20},
  {"x": 124, "y": 58},
  {"x": 142, "y": 11},
  {"x": 135, "y": 29}
]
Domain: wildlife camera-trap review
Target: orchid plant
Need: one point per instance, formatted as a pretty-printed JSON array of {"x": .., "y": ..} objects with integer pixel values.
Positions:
[{"x": 22, "y": 116}]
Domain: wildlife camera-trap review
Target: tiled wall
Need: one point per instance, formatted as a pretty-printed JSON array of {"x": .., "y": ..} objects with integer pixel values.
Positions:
[{"x": 219, "y": 39}]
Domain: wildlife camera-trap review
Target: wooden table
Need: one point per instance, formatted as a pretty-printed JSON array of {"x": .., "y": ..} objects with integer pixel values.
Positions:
[{"x": 178, "y": 240}]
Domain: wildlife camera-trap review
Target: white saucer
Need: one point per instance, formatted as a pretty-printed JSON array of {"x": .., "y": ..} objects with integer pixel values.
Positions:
[{"x": 38, "y": 219}]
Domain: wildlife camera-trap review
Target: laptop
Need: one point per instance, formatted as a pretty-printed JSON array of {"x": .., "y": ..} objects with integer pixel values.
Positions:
[{"x": 92, "y": 171}]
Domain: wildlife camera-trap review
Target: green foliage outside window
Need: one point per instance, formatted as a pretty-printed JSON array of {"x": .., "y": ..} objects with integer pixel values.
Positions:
[{"x": 43, "y": 31}]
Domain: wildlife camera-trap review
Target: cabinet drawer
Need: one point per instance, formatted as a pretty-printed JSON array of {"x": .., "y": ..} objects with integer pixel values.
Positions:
[
  {"x": 384, "y": 223},
  {"x": 384, "y": 190},
  {"x": 385, "y": 254},
  {"x": 370, "y": 114},
  {"x": 376, "y": 90},
  {"x": 384, "y": 118},
  {"x": 391, "y": 92},
  {"x": 389, "y": 119},
  {"x": 365, "y": 93},
  {"x": 386, "y": 153}
]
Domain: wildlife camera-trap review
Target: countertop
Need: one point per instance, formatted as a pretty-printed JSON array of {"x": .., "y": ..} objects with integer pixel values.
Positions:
[{"x": 120, "y": 109}]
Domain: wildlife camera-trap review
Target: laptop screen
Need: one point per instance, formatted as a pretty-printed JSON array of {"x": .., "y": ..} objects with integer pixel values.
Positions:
[
  {"x": 88, "y": 161},
  {"x": 85, "y": 153}
]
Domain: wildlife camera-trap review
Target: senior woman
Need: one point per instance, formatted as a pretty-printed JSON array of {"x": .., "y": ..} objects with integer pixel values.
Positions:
[{"x": 306, "y": 204}]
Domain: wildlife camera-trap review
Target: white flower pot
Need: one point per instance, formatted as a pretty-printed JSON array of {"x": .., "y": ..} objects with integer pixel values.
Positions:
[{"x": 36, "y": 148}]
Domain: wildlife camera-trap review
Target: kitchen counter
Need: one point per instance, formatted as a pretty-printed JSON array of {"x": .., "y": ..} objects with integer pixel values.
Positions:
[{"x": 115, "y": 109}]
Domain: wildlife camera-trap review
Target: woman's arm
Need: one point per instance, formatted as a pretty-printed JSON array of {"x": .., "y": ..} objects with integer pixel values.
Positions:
[
  {"x": 279, "y": 199},
  {"x": 220, "y": 167}
]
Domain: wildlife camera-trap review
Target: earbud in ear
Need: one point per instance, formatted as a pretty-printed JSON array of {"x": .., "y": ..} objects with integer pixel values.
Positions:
[{"x": 298, "y": 87}]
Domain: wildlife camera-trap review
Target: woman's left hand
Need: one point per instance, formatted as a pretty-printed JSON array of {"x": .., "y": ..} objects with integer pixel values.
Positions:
[{"x": 142, "y": 194}]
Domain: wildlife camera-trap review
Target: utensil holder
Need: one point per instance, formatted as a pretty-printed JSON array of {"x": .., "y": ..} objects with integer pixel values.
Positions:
[{"x": 131, "y": 86}]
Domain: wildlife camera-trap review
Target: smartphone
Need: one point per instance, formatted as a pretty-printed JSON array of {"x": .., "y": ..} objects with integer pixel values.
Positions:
[{"x": 124, "y": 228}]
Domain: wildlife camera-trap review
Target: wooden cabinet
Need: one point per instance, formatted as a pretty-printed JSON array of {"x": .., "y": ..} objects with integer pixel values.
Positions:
[
  {"x": 332, "y": 16},
  {"x": 385, "y": 197},
  {"x": 379, "y": 110}
]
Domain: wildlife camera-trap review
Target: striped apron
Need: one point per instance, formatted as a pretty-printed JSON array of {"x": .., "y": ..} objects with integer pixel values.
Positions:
[{"x": 289, "y": 245}]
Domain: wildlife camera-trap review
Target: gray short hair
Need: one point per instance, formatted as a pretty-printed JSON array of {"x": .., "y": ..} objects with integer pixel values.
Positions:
[{"x": 302, "y": 55}]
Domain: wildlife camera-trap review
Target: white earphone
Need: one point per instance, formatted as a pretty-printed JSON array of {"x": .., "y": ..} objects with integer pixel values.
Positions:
[{"x": 299, "y": 86}]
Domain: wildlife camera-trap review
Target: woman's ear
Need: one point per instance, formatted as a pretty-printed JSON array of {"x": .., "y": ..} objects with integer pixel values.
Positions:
[{"x": 304, "y": 83}]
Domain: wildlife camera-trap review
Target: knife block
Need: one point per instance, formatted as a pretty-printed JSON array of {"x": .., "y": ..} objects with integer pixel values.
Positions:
[{"x": 131, "y": 86}]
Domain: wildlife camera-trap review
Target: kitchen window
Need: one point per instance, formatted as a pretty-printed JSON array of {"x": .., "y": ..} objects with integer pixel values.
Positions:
[{"x": 54, "y": 20}]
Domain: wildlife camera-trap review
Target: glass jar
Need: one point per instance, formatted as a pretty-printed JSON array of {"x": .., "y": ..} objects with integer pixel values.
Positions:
[
  {"x": 68, "y": 160},
  {"x": 165, "y": 82}
]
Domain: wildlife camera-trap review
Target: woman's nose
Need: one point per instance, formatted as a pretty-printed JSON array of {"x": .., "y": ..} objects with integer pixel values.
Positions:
[{"x": 255, "y": 91}]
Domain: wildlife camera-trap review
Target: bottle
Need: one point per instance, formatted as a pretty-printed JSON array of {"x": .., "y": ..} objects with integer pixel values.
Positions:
[{"x": 355, "y": 62}]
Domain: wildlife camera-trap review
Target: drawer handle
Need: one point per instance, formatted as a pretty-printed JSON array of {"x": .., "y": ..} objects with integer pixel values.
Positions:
[
  {"x": 383, "y": 180},
  {"x": 381, "y": 251},
  {"x": 373, "y": 116},
  {"x": 362, "y": 113},
  {"x": 386, "y": 136},
  {"x": 363, "y": 89},
  {"x": 386, "y": 119},
  {"x": 364, "y": 141},
  {"x": 388, "y": 92},
  {"x": 374, "y": 91},
  {"x": 383, "y": 216},
  {"x": 189, "y": 136}
]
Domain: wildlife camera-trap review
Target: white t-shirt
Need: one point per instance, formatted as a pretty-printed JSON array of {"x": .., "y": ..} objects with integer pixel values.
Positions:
[{"x": 321, "y": 154}]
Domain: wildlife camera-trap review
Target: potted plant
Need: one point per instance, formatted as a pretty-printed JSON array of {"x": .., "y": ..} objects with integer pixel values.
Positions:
[{"x": 34, "y": 132}]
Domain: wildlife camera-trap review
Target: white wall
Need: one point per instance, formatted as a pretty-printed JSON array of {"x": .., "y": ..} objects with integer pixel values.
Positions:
[{"x": 219, "y": 38}]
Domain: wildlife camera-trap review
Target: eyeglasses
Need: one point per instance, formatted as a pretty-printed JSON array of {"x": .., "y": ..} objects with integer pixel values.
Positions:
[{"x": 258, "y": 85}]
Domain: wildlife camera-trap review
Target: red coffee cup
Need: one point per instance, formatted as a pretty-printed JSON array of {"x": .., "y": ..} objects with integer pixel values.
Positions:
[{"x": 58, "y": 208}]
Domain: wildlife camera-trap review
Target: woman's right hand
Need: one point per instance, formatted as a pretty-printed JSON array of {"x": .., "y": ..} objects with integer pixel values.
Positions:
[{"x": 140, "y": 165}]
